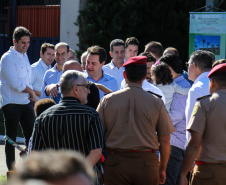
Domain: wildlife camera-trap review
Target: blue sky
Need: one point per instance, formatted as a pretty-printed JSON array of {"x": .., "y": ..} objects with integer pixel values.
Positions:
[{"x": 213, "y": 40}]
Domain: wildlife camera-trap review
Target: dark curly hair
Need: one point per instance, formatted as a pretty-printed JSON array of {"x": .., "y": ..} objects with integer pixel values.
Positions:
[
  {"x": 172, "y": 61},
  {"x": 162, "y": 74}
]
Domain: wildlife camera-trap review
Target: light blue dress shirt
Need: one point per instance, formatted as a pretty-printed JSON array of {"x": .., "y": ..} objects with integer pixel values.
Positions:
[
  {"x": 38, "y": 71},
  {"x": 52, "y": 76},
  {"x": 106, "y": 80}
]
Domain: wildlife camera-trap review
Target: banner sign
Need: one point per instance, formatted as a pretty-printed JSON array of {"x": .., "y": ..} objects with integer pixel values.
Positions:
[{"x": 208, "y": 32}]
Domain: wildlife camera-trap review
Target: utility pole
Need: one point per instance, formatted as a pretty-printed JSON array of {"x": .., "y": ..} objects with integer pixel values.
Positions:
[{"x": 210, "y": 4}]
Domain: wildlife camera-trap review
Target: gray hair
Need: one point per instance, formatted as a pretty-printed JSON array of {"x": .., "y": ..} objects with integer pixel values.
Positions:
[
  {"x": 83, "y": 55},
  {"x": 68, "y": 79}
]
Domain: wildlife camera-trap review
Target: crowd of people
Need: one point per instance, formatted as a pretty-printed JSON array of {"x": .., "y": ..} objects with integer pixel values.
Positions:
[{"x": 140, "y": 119}]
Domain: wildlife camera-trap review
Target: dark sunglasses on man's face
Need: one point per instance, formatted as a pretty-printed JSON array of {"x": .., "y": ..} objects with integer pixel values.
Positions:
[{"x": 85, "y": 85}]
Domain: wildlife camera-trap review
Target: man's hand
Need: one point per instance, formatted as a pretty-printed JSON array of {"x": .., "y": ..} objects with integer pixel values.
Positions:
[
  {"x": 31, "y": 93},
  {"x": 37, "y": 93},
  {"x": 183, "y": 180},
  {"x": 32, "y": 97},
  {"x": 94, "y": 156},
  {"x": 52, "y": 90},
  {"x": 164, "y": 156},
  {"x": 162, "y": 176}
]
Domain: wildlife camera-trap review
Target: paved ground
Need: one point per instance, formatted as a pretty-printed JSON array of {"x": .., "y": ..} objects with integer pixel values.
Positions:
[{"x": 3, "y": 167}]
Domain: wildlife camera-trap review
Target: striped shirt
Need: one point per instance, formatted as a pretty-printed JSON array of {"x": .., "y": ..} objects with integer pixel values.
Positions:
[
  {"x": 177, "y": 114},
  {"x": 68, "y": 125}
]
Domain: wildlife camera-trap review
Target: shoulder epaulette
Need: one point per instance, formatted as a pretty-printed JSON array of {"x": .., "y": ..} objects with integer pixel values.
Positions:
[
  {"x": 203, "y": 97},
  {"x": 155, "y": 94}
]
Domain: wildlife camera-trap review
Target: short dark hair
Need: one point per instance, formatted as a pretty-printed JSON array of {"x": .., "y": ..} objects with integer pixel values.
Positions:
[
  {"x": 97, "y": 50},
  {"x": 136, "y": 73},
  {"x": 155, "y": 48},
  {"x": 219, "y": 78},
  {"x": 42, "y": 105},
  {"x": 131, "y": 41},
  {"x": 211, "y": 55},
  {"x": 221, "y": 61},
  {"x": 174, "y": 50},
  {"x": 53, "y": 166},
  {"x": 19, "y": 32},
  {"x": 116, "y": 42},
  {"x": 45, "y": 46},
  {"x": 174, "y": 62},
  {"x": 162, "y": 74},
  {"x": 62, "y": 44},
  {"x": 150, "y": 57},
  {"x": 202, "y": 60}
]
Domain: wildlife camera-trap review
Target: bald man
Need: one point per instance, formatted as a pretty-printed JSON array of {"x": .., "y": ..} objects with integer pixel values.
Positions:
[
  {"x": 52, "y": 76},
  {"x": 72, "y": 64}
]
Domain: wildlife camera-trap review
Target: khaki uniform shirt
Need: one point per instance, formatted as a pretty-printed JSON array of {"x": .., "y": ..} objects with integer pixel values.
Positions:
[
  {"x": 131, "y": 117},
  {"x": 209, "y": 119}
]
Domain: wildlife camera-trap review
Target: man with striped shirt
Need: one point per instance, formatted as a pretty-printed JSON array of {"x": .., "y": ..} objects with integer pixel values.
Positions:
[{"x": 70, "y": 125}]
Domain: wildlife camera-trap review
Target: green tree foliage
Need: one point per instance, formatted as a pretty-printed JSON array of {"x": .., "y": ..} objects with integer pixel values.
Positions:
[{"x": 147, "y": 20}]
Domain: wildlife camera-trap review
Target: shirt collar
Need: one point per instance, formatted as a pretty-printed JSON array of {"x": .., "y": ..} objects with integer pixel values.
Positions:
[
  {"x": 15, "y": 52},
  {"x": 201, "y": 76},
  {"x": 69, "y": 99},
  {"x": 133, "y": 85},
  {"x": 221, "y": 91},
  {"x": 179, "y": 78},
  {"x": 55, "y": 69},
  {"x": 44, "y": 65},
  {"x": 112, "y": 65},
  {"x": 104, "y": 76}
]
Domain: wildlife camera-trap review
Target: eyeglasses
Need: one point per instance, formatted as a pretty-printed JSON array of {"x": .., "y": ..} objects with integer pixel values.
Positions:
[
  {"x": 85, "y": 85},
  {"x": 189, "y": 63}
]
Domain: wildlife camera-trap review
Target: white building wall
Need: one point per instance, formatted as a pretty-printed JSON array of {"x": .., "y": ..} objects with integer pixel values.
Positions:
[{"x": 68, "y": 16}]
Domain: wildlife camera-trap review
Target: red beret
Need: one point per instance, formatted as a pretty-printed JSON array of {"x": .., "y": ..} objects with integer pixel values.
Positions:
[
  {"x": 218, "y": 68},
  {"x": 138, "y": 60}
]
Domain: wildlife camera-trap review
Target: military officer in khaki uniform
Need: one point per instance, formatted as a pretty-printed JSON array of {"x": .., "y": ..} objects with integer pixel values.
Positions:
[
  {"x": 207, "y": 145},
  {"x": 131, "y": 117}
]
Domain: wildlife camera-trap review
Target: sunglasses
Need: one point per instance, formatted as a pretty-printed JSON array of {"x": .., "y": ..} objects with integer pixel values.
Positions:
[{"x": 85, "y": 85}]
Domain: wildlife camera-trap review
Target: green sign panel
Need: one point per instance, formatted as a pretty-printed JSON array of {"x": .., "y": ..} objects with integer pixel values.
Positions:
[{"x": 208, "y": 32}]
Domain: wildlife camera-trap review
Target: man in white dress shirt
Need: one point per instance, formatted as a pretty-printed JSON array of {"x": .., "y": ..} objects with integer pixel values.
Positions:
[
  {"x": 47, "y": 55},
  {"x": 199, "y": 65},
  {"x": 16, "y": 90},
  {"x": 117, "y": 53}
]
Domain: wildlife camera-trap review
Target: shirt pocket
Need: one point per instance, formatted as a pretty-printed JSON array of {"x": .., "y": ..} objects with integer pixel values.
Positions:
[{"x": 21, "y": 71}]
